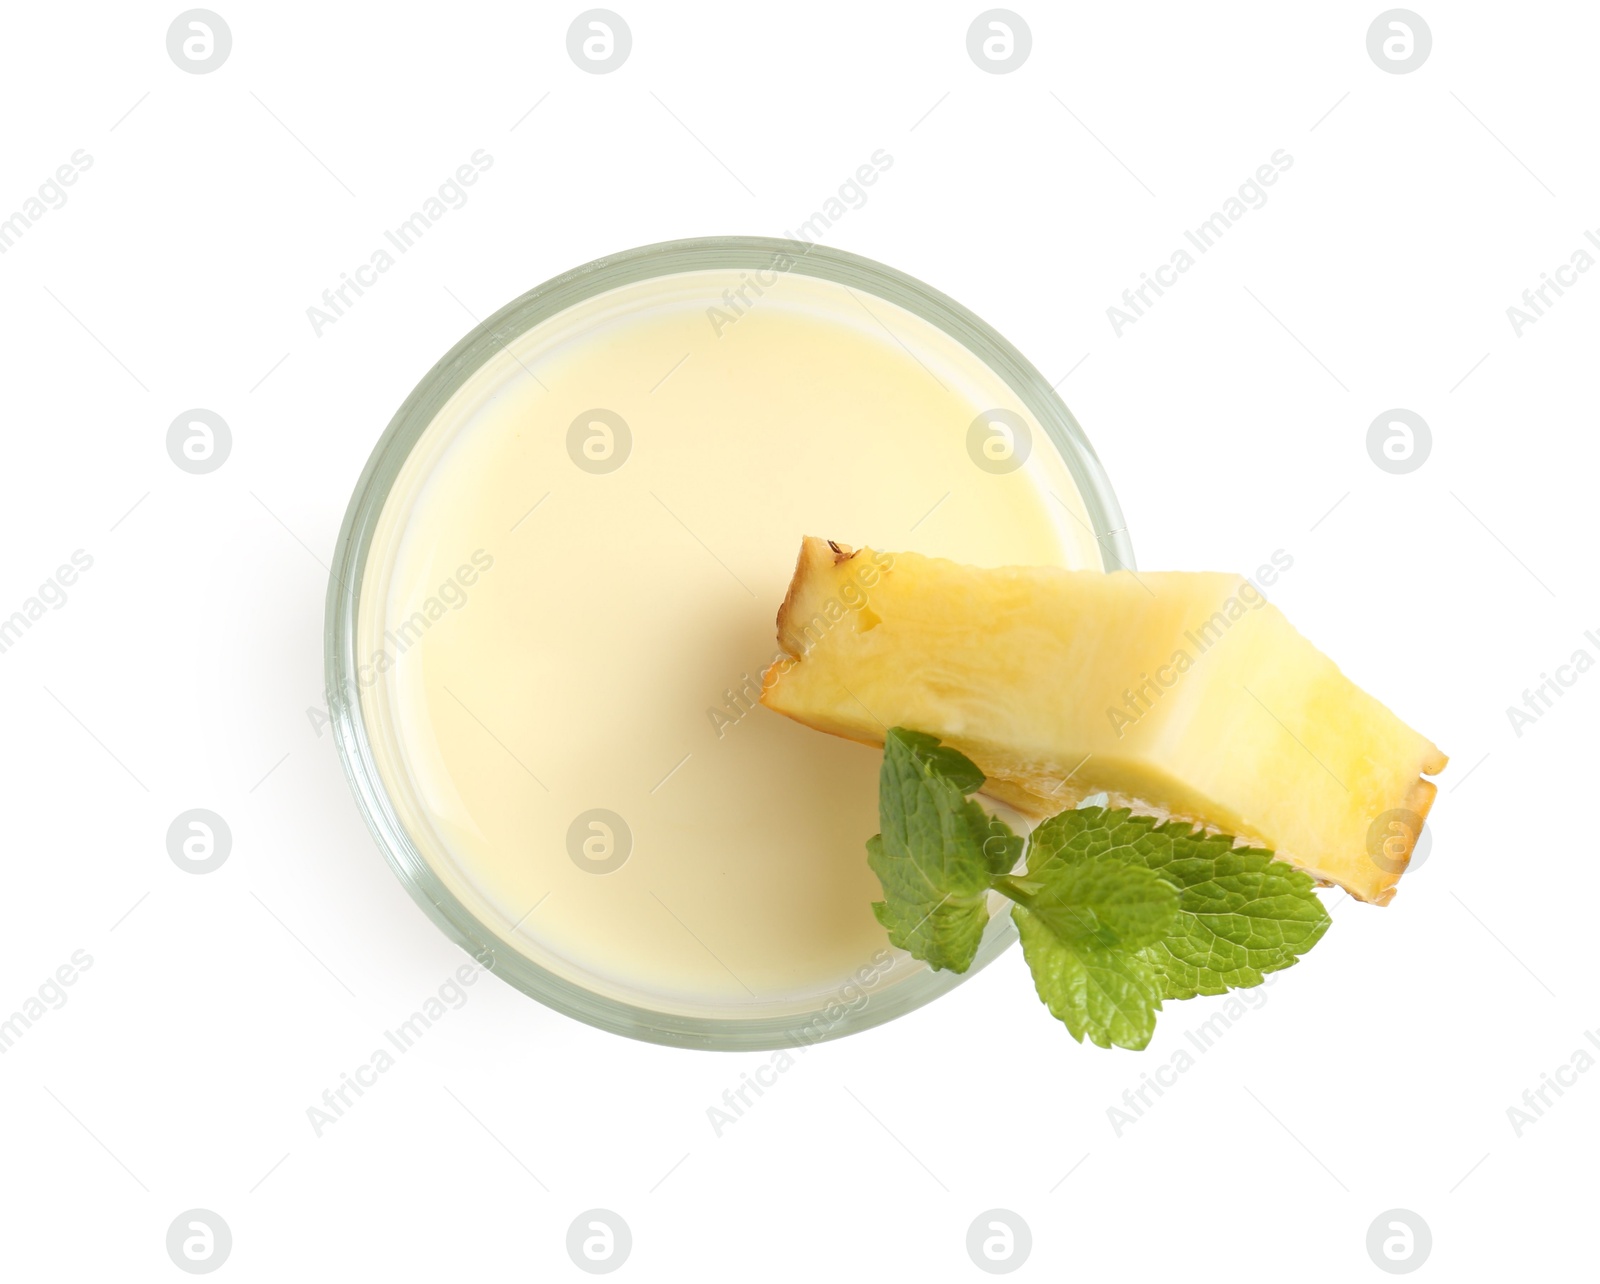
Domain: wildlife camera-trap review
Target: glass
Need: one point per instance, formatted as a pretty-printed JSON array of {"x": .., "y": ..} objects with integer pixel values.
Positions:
[{"x": 482, "y": 345}]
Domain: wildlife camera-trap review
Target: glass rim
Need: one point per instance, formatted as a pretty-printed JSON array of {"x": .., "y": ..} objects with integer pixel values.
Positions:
[{"x": 482, "y": 344}]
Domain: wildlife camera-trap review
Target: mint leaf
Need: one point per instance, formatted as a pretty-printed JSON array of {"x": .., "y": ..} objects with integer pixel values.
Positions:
[
  {"x": 1111, "y": 995},
  {"x": 950, "y": 763},
  {"x": 1002, "y": 849},
  {"x": 937, "y": 853},
  {"x": 942, "y": 930},
  {"x": 1241, "y": 914}
]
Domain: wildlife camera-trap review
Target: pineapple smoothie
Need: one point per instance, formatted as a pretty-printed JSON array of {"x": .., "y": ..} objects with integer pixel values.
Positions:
[{"x": 568, "y": 605}]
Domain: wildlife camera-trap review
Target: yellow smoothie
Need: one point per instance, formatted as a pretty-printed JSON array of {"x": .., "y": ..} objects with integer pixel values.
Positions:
[{"x": 570, "y": 599}]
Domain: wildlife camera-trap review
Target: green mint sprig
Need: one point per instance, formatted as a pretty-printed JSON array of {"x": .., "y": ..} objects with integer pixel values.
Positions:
[{"x": 1115, "y": 912}]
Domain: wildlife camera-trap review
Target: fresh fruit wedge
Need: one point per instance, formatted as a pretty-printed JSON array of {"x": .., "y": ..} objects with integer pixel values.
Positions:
[{"x": 1177, "y": 693}]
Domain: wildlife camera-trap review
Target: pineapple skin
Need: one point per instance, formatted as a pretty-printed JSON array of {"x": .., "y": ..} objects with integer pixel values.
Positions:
[{"x": 1178, "y": 693}]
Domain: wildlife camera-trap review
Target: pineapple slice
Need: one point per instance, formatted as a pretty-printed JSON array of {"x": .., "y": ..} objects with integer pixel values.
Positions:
[{"x": 1180, "y": 693}]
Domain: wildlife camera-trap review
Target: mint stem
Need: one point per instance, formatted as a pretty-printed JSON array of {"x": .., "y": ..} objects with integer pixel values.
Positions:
[{"x": 1009, "y": 885}]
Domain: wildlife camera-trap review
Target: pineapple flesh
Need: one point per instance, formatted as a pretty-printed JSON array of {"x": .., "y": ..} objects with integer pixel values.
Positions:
[{"x": 1178, "y": 693}]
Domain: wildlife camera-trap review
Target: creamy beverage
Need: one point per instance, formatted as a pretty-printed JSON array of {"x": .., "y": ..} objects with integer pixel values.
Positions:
[{"x": 569, "y": 603}]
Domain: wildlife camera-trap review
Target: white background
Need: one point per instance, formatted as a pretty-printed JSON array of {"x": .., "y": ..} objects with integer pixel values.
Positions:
[{"x": 181, "y": 669}]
